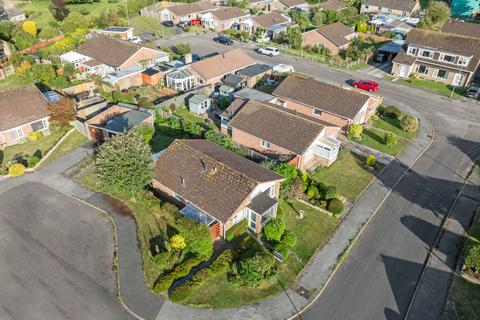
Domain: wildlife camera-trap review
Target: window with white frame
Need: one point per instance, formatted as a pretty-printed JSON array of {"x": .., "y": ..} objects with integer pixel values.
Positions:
[
  {"x": 317, "y": 112},
  {"x": 441, "y": 74},
  {"x": 326, "y": 152},
  {"x": 422, "y": 69},
  {"x": 264, "y": 144},
  {"x": 39, "y": 125},
  {"x": 16, "y": 134},
  {"x": 447, "y": 58},
  {"x": 462, "y": 61},
  {"x": 412, "y": 51},
  {"x": 426, "y": 54},
  {"x": 271, "y": 191}
]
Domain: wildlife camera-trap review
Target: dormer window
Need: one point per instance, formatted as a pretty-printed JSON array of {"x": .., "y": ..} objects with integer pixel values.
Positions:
[
  {"x": 447, "y": 58},
  {"x": 412, "y": 51},
  {"x": 426, "y": 54},
  {"x": 462, "y": 61}
]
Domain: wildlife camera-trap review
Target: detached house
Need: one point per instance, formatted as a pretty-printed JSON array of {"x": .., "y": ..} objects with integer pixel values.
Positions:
[
  {"x": 215, "y": 186},
  {"x": 335, "y": 37},
  {"x": 274, "y": 23},
  {"x": 334, "y": 5},
  {"x": 444, "y": 57},
  {"x": 186, "y": 12},
  {"x": 280, "y": 133},
  {"x": 223, "y": 19},
  {"x": 301, "y": 5},
  {"x": 22, "y": 110},
  {"x": 397, "y": 7},
  {"x": 334, "y": 105},
  {"x": 102, "y": 54}
]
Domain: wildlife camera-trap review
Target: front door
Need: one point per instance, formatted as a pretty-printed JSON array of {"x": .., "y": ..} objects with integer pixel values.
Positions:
[
  {"x": 402, "y": 71},
  {"x": 457, "y": 79}
]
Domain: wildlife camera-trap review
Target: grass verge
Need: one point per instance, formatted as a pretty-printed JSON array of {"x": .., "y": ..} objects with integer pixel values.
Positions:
[
  {"x": 73, "y": 141},
  {"x": 433, "y": 86}
]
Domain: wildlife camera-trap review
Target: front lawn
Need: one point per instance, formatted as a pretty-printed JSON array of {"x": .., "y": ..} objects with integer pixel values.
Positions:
[
  {"x": 374, "y": 139},
  {"x": 313, "y": 232},
  {"x": 466, "y": 296},
  {"x": 433, "y": 86},
  {"x": 73, "y": 141},
  {"x": 393, "y": 125},
  {"x": 347, "y": 174},
  {"x": 38, "y": 148},
  {"x": 143, "y": 24}
]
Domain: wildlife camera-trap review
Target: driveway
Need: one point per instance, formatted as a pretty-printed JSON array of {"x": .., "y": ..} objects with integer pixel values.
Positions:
[{"x": 55, "y": 257}]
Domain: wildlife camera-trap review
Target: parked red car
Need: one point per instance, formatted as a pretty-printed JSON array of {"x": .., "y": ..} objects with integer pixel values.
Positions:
[{"x": 368, "y": 85}]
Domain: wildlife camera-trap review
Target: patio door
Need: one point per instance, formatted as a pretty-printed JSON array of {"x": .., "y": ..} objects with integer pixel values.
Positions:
[
  {"x": 252, "y": 220},
  {"x": 457, "y": 79}
]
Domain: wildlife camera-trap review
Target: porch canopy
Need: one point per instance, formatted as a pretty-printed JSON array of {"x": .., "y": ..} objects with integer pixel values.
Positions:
[
  {"x": 261, "y": 203},
  {"x": 195, "y": 213}
]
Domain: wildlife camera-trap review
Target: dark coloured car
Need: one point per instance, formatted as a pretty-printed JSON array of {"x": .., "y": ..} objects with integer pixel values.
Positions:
[
  {"x": 168, "y": 23},
  {"x": 223, "y": 40},
  {"x": 182, "y": 24},
  {"x": 380, "y": 57}
]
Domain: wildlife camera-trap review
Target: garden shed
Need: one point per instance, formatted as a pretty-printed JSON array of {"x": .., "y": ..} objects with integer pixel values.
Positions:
[{"x": 199, "y": 103}]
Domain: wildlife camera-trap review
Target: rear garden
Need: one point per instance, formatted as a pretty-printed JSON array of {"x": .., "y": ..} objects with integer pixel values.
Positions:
[{"x": 389, "y": 131}]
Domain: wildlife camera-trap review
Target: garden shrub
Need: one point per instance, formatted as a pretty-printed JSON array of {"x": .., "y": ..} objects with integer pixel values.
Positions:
[
  {"x": 335, "y": 206},
  {"x": 197, "y": 236},
  {"x": 178, "y": 242},
  {"x": 392, "y": 112},
  {"x": 33, "y": 161},
  {"x": 286, "y": 170},
  {"x": 254, "y": 270},
  {"x": 3, "y": 171},
  {"x": 282, "y": 249},
  {"x": 146, "y": 131},
  {"x": 409, "y": 123},
  {"x": 472, "y": 258},
  {"x": 355, "y": 131},
  {"x": 181, "y": 293},
  {"x": 236, "y": 231},
  {"x": 224, "y": 141},
  {"x": 16, "y": 169},
  {"x": 35, "y": 135},
  {"x": 192, "y": 128},
  {"x": 269, "y": 164},
  {"x": 274, "y": 229},
  {"x": 370, "y": 160},
  {"x": 390, "y": 139},
  {"x": 289, "y": 239},
  {"x": 330, "y": 193},
  {"x": 164, "y": 282}
]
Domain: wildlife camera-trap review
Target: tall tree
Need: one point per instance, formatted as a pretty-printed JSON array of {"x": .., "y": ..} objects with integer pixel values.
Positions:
[
  {"x": 59, "y": 9},
  {"x": 62, "y": 112}
]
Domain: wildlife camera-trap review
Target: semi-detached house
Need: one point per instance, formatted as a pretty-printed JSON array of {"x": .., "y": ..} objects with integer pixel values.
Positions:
[
  {"x": 215, "y": 186},
  {"x": 397, "y": 7},
  {"x": 334, "y": 105},
  {"x": 443, "y": 57},
  {"x": 280, "y": 133}
]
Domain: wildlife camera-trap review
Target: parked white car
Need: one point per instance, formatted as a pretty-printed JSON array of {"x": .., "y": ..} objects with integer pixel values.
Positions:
[
  {"x": 136, "y": 40},
  {"x": 269, "y": 51},
  {"x": 283, "y": 68}
]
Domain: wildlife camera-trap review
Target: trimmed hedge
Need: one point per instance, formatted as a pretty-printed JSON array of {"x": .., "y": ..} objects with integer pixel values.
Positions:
[
  {"x": 236, "y": 231},
  {"x": 392, "y": 112},
  {"x": 16, "y": 169},
  {"x": 183, "y": 269},
  {"x": 335, "y": 206}
]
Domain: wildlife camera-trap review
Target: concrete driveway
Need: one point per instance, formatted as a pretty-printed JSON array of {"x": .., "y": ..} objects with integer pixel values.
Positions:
[{"x": 55, "y": 257}]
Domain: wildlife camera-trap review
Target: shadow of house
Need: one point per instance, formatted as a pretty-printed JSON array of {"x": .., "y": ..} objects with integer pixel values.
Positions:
[{"x": 468, "y": 147}]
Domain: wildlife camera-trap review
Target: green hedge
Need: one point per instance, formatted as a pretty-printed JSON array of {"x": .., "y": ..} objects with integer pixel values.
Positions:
[
  {"x": 183, "y": 269},
  {"x": 237, "y": 230}
]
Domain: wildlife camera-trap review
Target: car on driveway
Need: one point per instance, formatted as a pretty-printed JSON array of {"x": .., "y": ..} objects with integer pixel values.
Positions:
[
  {"x": 136, "y": 40},
  {"x": 183, "y": 24},
  {"x": 368, "y": 85},
  {"x": 168, "y": 23},
  {"x": 473, "y": 91},
  {"x": 223, "y": 40},
  {"x": 269, "y": 51},
  {"x": 282, "y": 68}
]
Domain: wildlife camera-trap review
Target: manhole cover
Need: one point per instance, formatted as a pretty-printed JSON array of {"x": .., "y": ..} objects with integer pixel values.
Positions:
[{"x": 304, "y": 293}]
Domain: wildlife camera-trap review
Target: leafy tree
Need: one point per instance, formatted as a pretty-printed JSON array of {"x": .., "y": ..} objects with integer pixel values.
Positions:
[
  {"x": 146, "y": 131},
  {"x": 24, "y": 68},
  {"x": 197, "y": 236},
  {"x": 75, "y": 21},
  {"x": 224, "y": 141},
  {"x": 330, "y": 192},
  {"x": 23, "y": 40},
  {"x": 409, "y": 123},
  {"x": 472, "y": 258},
  {"x": 30, "y": 27},
  {"x": 301, "y": 19},
  {"x": 192, "y": 128},
  {"x": 390, "y": 139},
  {"x": 146, "y": 103},
  {"x": 274, "y": 229},
  {"x": 254, "y": 270},
  {"x": 48, "y": 32},
  {"x": 110, "y": 18},
  {"x": 42, "y": 73},
  {"x": 438, "y": 13},
  {"x": 287, "y": 170},
  {"x": 319, "y": 18},
  {"x": 330, "y": 16},
  {"x": 124, "y": 163},
  {"x": 355, "y": 131},
  {"x": 6, "y": 28},
  {"x": 59, "y": 9},
  {"x": 68, "y": 70},
  {"x": 59, "y": 83},
  {"x": 348, "y": 16},
  {"x": 183, "y": 48},
  {"x": 178, "y": 242},
  {"x": 293, "y": 36},
  {"x": 370, "y": 160},
  {"x": 62, "y": 112}
]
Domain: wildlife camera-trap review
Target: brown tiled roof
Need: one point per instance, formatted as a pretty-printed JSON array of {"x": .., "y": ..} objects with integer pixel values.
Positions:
[
  {"x": 92, "y": 63},
  {"x": 111, "y": 51},
  {"x": 233, "y": 108},
  {"x": 444, "y": 41},
  {"x": 270, "y": 19},
  {"x": 336, "y": 32},
  {"x": 462, "y": 28},
  {"x": 189, "y": 8},
  {"x": 404, "y": 5},
  {"x": 228, "y": 13},
  {"x": 308, "y": 91},
  {"x": 215, "y": 179},
  {"x": 335, "y": 5},
  {"x": 293, "y": 3},
  {"x": 20, "y": 106},
  {"x": 222, "y": 64},
  {"x": 277, "y": 126}
]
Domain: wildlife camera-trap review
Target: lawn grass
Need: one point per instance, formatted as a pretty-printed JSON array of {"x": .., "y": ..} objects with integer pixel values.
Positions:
[
  {"x": 160, "y": 142},
  {"x": 189, "y": 116},
  {"x": 433, "y": 86},
  {"x": 313, "y": 232},
  {"x": 374, "y": 139},
  {"x": 142, "y": 24},
  {"x": 38, "y": 9},
  {"x": 73, "y": 141},
  {"x": 13, "y": 82},
  {"x": 347, "y": 174},
  {"x": 393, "y": 125},
  {"x": 30, "y": 148},
  {"x": 466, "y": 296}
]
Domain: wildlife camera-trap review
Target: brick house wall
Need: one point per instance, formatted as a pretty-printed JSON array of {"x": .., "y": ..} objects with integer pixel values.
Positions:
[
  {"x": 141, "y": 55},
  {"x": 411, "y": 69},
  {"x": 6, "y": 138},
  {"x": 376, "y": 9},
  {"x": 253, "y": 142},
  {"x": 315, "y": 39}
]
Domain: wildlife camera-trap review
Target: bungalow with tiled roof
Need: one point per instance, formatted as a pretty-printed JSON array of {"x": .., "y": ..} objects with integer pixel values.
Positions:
[
  {"x": 332, "y": 5},
  {"x": 222, "y": 19},
  {"x": 334, "y": 105},
  {"x": 186, "y": 12},
  {"x": 22, "y": 110},
  {"x": 397, "y": 7},
  {"x": 215, "y": 186},
  {"x": 295, "y": 5},
  {"x": 335, "y": 37},
  {"x": 280, "y": 133},
  {"x": 273, "y": 23},
  {"x": 439, "y": 56}
]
